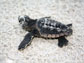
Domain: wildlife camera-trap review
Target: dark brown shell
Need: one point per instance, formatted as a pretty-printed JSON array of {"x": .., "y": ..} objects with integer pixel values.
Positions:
[{"x": 49, "y": 28}]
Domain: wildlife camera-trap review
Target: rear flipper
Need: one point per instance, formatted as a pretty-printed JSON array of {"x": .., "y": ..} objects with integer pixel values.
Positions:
[
  {"x": 62, "y": 41},
  {"x": 69, "y": 30},
  {"x": 26, "y": 41}
]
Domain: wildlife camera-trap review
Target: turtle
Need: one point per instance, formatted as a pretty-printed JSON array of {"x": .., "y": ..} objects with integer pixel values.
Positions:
[{"x": 44, "y": 27}]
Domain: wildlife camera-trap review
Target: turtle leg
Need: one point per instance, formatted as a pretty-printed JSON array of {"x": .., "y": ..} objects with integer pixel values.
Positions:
[
  {"x": 62, "y": 41},
  {"x": 26, "y": 41}
]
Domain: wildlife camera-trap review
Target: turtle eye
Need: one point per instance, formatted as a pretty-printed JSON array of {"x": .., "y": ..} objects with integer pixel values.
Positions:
[{"x": 26, "y": 18}]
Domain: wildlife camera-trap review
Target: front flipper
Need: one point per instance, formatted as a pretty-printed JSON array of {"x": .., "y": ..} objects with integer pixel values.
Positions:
[
  {"x": 26, "y": 41},
  {"x": 62, "y": 41}
]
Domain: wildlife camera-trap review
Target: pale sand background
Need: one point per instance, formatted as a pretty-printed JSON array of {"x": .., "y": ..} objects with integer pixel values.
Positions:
[{"x": 41, "y": 50}]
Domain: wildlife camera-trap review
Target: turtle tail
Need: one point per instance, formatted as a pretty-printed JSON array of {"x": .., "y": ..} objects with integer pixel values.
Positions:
[
  {"x": 69, "y": 25},
  {"x": 69, "y": 29}
]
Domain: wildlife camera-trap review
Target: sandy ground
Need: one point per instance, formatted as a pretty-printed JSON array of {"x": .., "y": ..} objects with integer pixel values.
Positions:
[{"x": 41, "y": 50}]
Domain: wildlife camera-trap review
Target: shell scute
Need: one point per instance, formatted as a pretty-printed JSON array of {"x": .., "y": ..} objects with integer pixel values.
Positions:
[{"x": 51, "y": 28}]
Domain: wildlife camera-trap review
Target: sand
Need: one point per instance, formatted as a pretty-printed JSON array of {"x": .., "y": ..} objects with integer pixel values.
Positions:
[{"x": 41, "y": 50}]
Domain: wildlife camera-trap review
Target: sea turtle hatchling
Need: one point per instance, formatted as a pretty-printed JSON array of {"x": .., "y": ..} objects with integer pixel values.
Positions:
[{"x": 44, "y": 27}]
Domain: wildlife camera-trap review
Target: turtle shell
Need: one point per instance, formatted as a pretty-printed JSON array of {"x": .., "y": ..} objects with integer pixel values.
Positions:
[{"x": 49, "y": 28}]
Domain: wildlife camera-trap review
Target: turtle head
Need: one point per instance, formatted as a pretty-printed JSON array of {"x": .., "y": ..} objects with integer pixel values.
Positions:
[
  {"x": 24, "y": 18},
  {"x": 24, "y": 21}
]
